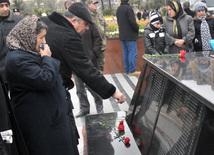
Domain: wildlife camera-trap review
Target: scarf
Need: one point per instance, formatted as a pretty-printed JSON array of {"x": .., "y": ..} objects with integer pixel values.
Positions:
[
  {"x": 205, "y": 34},
  {"x": 23, "y": 36},
  {"x": 176, "y": 6},
  {"x": 155, "y": 30}
]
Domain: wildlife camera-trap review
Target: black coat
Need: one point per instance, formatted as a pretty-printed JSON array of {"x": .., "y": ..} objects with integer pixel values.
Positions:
[
  {"x": 155, "y": 43},
  {"x": 5, "y": 27},
  {"x": 8, "y": 122},
  {"x": 189, "y": 12},
  {"x": 39, "y": 103},
  {"x": 66, "y": 45},
  {"x": 128, "y": 27},
  {"x": 92, "y": 43},
  {"x": 197, "y": 24}
]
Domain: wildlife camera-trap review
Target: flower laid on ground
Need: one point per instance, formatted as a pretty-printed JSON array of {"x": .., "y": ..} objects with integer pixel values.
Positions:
[
  {"x": 182, "y": 53},
  {"x": 126, "y": 140},
  {"x": 121, "y": 126}
]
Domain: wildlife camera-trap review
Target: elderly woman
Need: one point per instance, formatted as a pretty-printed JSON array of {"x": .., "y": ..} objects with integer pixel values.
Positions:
[
  {"x": 180, "y": 28},
  {"x": 38, "y": 97},
  {"x": 204, "y": 27}
]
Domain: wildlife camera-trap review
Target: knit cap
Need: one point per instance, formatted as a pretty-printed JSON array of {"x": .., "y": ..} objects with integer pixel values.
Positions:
[
  {"x": 200, "y": 6},
  {"x": 3, "y": 1},
  {"x": 155, "y": 17}
]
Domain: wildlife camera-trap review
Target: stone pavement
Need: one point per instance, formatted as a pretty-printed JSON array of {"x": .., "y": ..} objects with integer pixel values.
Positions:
[{"x": 125, "y": 84}]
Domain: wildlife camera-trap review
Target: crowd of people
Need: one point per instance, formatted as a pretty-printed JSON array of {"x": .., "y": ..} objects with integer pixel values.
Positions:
[{"x": 38, "y": 57}]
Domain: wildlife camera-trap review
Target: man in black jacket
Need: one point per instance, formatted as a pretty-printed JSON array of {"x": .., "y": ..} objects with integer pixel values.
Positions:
[
  {"x": 64, "y": 39},
  {"x": 128, "y": 34},
  {"x": 186, "y": 8},
  {"x": 7, "y": 21}
]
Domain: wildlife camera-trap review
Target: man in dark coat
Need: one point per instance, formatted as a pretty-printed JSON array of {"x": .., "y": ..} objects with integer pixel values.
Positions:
[
  {"x": 7, "y": 21},
  {"x": 186, "y": 8},
  {"x": 64, "y": 39},
  {"x": 128, "y": 34}
]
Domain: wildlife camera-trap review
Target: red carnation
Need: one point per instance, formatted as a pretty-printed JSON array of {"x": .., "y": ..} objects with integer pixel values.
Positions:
[
  {"x": 127, "y": 140},
  {"x": 121, "y": 126},
  {"x": 183, "y": 60},
  {"x": 182, "y": 53}
]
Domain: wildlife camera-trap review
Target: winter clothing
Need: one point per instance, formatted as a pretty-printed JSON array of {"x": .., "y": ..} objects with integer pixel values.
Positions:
[
  {"x": 189, "y": 12},
  {"x": 38, "y": 97},
  {"x": 155, "y": 17},
  {"x": 103, "y": 29},
  {"x": 92, "y": 44},
  {"x": 66, "y": 46},
  {"x": 3, "y": 1},
  {"x": 155, "y": 40},
  {"x": 79, "y": 10},
  {"x": 9, "y": 123},
  {"x": 183, "y": 29},
  {"x": 200, "y": 6},
  {"x": 128, "y": 34},
  {"x": 197, "y": 23},
  {"x": 6, "y": 24},
  {"x": 128, "y": 28}
]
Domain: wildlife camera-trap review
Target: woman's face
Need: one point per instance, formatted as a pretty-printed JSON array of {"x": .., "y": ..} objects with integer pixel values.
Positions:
[
  {"x": 201, "y": 13},
  {"x": 171, "y": 12},
  {"x": 40, "y": 39}
]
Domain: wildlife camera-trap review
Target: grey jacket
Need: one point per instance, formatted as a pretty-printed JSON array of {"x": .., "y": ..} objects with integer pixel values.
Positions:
[
  {"x": 6, "y": 26},
  {"x": 188, "y": 32},
  {"x": 153, "y": 44}
]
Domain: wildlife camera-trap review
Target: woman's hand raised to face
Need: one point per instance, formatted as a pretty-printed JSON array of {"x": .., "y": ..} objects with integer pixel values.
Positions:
[{"x": 46, "y": 51}]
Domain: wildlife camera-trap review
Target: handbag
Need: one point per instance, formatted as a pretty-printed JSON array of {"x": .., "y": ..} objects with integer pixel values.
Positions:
[{"x": 212, "y": 43}]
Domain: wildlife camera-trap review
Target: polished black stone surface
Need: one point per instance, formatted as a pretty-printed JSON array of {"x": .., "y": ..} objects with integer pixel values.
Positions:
[
  {"x": 103, "y": 137},
  {"x": 171, "y": 111},
  {"x": 194, "y": 73}
]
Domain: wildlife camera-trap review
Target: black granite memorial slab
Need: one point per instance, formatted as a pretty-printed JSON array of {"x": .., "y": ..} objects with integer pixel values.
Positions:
[
  {"x": 171, "y": 111},
  {"x": 103, "y": 137}
]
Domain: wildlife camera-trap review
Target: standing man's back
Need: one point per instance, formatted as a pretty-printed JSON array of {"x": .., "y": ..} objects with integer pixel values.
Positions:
[
  {"x": 7, "y": 21},
  {"x": 128, "y": 34}
]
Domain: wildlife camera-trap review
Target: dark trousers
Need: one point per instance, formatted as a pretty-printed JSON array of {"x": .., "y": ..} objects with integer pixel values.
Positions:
[{"x": 82, "y": 94}]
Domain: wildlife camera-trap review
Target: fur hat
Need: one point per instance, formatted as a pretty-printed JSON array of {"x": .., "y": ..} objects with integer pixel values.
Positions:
[
  {"x": 200, "y": 6},
  {"x": 79, "y": 10},
  {"x": 2, "y": 1},
  {"x": 155, "y": 17}
]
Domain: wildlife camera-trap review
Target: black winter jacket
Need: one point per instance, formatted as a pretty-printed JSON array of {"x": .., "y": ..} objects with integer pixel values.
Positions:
[
  {"x": 152, "y": 44},
  {"x": 197, "y": 24},
  {"x": 128, "y": 28},
  {"x": 92, "y": 43},
  {"x": 189, "y": 12},
  {"x": 66, "y": 45},
  {"x": 6, "y": 25}
]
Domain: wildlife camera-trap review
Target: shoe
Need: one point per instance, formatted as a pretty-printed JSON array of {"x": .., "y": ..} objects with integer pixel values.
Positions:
[
  {"x": 136, "y": 73},
  {"x": 82, "y": 113}
]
